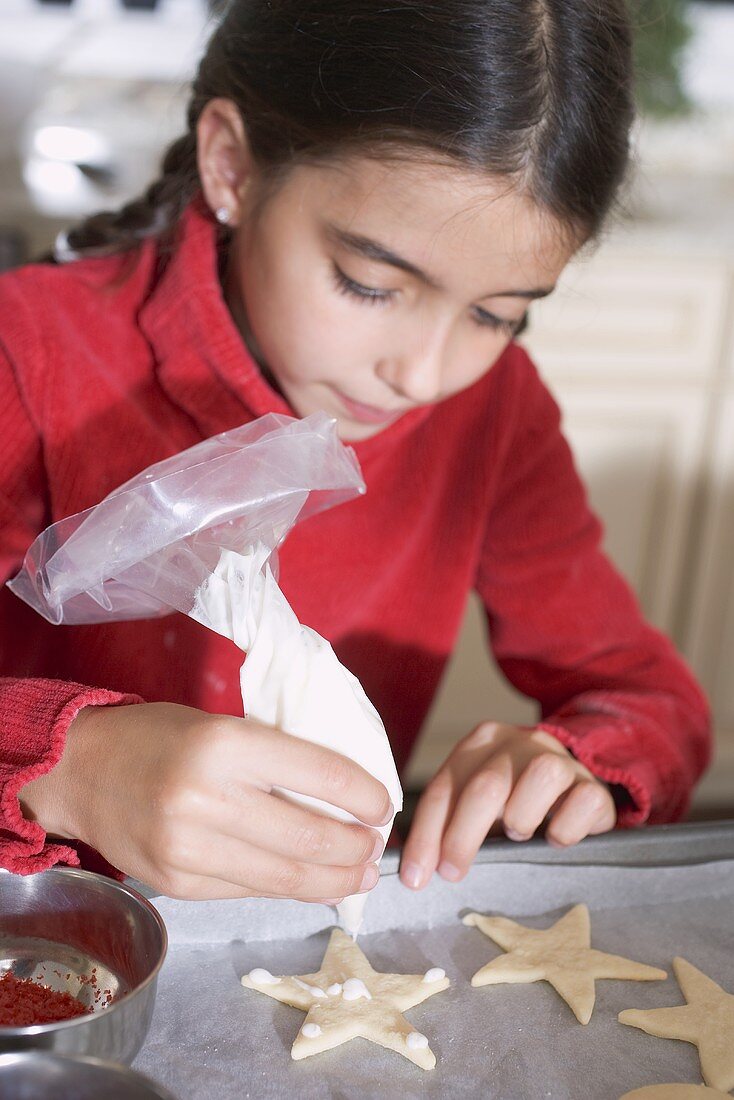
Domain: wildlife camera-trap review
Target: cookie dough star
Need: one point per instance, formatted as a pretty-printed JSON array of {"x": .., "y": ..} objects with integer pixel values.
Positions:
[
  {"x": 560, "y": 955},
  {"x": 707, "y": 1020},
  {"x": 347, "y": 999}
]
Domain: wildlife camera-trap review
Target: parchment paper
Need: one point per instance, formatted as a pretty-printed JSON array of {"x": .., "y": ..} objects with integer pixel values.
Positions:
[{"x": 212, "y": 1038}]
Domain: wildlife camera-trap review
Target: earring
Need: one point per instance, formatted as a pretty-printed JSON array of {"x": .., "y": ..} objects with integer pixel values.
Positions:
[{"x": 222, "y": 214}]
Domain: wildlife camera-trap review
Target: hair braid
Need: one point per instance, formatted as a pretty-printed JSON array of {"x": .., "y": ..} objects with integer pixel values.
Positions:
[{"x": 151, "y": 214}]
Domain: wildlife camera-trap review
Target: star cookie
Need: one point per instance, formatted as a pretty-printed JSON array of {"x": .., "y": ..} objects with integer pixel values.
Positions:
[
  {"x": 347, "y": 999},
  {"x": 707, "y": 1020},
  {"x": 561, "y": 955},
  {"x": 676, "y": 1092}
]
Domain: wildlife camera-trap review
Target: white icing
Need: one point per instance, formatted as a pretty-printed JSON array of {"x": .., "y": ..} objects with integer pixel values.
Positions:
[
  {"x": 312, "y": 989},
  {"x": 262, "y": 977},
  {"x": 416, "y": 1041},
  {"x": 310, "y": 1031},
  {"x": 435, "y": 974},
  {"x": 334, "y": 990},
  {"x": 292, "y": 680},
  {"x": 354, "y": 988}
]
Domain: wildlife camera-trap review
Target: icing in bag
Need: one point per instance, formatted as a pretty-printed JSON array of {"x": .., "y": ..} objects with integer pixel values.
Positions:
[{"x": 292, "y": 679}]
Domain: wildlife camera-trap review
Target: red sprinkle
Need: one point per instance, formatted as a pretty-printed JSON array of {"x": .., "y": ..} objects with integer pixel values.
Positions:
[
  {"x": 24, "y": 1003},
  {"x": 98, "y": 993}
]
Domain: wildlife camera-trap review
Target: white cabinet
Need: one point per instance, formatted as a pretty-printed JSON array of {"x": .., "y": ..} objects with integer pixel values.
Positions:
[
  {"x": 711, "y": 622},
  {"x": 639, "y": 451},
  {"x": 632, "y": 319},
  {"x": 639, "y": 351}
]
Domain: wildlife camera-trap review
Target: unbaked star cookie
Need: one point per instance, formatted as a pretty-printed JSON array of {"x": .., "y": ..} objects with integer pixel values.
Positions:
[
  {"x": 707, "y": 1020},
  {"x": 347, "y": 999},
  {"x": 561, "y": 955}
]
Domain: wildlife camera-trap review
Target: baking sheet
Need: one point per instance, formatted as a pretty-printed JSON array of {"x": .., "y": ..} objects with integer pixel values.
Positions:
[{"x": 212, "y": 1038}]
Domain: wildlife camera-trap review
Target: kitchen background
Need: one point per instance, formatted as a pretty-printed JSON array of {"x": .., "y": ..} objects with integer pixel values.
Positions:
[{"x": 638, "y": 344}]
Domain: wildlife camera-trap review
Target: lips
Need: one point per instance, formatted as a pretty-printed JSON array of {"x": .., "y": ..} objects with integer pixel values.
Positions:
[{"x": 368, "y": 414}]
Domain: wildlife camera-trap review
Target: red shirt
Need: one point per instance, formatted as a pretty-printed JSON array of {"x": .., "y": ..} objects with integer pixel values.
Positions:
[{"x": 108, "y": 365}]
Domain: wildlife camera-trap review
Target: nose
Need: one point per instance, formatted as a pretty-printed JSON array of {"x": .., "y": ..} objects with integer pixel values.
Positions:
[{"x": 417, "y": 373}]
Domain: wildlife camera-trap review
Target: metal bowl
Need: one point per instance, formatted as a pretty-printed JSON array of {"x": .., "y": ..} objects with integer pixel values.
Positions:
[
  {"x": 90, "y": 936},
  {"x": 41, "y": 1075}
]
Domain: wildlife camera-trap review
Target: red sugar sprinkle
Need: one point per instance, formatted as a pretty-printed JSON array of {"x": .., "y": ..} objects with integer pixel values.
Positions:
[{"x": 24, "y": 1002}]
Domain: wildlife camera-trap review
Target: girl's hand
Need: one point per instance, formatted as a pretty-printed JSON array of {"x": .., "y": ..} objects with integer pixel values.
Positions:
[
  {"x": 512, "y": 774},
  {"x": 183, "y": 801}
]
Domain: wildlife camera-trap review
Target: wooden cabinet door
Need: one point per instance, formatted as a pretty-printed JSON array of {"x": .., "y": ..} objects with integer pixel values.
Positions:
[{"x": 710, "y": 633}]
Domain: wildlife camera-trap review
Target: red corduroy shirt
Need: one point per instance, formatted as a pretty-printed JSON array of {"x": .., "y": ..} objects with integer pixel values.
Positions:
[{"x": 109, "y": 365}]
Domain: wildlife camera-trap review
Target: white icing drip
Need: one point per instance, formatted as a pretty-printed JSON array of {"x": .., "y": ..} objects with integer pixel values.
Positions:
[
  {"x": 354, "y": 988},
  {"x": 416, "y": 1041},
  {"x": 334, "y": 990},
  {"x": 350, "y": 913},
  {"x": 312, "y": 989},
  {"x": 310, "y": 1031},
  {"x": 435, "y": 974},
  {"x": 262, "y": 977}
]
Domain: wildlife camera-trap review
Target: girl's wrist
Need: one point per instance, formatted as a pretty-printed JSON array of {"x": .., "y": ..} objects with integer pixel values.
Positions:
[{"x": 56, "y": 799}]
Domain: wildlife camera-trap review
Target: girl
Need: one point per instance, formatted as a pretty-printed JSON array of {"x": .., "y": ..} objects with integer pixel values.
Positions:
[{"x": 366, "y": 201}]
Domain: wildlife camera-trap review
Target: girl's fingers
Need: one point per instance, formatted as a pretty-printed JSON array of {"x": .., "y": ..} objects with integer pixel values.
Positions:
[
  {"x": 289, "y": 830},
  {"x": 205, "y": 888},
  {"x": 478, "y": 785},
  {"x": 588, "y": 809},
  {"x": 422, "y": 848},
  {"x": 479, "y": 805},
  {"x": 314, "y": 770},
  {"x": 261, "y": 873},
  {"x": 543, "y": 781}
]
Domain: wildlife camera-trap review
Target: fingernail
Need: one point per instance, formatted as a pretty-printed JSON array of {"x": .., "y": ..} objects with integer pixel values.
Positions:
[
  {"x": 412, "y": 875},
  {"x": 332, "y": 901},
  {"x": 389, "y": 816},
  {"x": 555, "y": 843},
  {"x": 369, "y": 878},
  {"x": 378, "y": 849},
  {"x": 449, "y": 871},
  {"x": 512, "y": 835}
]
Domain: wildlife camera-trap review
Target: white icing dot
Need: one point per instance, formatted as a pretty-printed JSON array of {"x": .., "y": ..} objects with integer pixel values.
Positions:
[
  {"x": 310, "y": 1031},
  {"x": 435, "y": 974},
  {"x": 354, "y": 988},
  {"x": 262, "y": 977},
  {"x": 334, "y": 990},
  {"x": 312, "y": 989},
  {"x": 416, "y": 1041}
]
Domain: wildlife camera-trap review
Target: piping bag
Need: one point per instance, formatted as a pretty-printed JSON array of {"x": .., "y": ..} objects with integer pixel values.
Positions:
[
  {"x": 292, "y": 679},
  {"x": 198, "y": 533}
]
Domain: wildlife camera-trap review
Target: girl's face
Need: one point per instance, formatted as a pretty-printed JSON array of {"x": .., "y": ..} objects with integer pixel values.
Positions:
[{"x": 369, "y": 288}]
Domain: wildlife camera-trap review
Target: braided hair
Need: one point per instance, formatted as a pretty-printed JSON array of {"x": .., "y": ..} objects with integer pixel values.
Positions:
[{"x": 536, "y": 90}]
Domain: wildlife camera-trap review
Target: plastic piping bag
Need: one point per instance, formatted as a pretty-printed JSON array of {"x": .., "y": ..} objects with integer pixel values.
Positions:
[{"x": 198, "y": 533}]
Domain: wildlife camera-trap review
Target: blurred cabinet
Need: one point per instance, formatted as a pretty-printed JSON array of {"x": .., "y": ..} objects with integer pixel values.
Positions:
[
  {"x": 639, "y": 452},
  {"x": 711, "y": 633},
  {"x": 639, "y": 351}
]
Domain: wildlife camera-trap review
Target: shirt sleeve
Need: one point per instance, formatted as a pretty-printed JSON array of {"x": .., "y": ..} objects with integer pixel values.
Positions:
[
  {"x": 566, "y": 629},
  {"x": 36, "y": 713}
]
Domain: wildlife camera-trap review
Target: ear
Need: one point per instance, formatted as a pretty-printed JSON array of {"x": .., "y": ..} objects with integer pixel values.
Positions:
[{"x": 224, "y": 159}]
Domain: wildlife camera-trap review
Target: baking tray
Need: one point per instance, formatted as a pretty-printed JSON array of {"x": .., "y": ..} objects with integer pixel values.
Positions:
[{"x": 653, "y": 893}]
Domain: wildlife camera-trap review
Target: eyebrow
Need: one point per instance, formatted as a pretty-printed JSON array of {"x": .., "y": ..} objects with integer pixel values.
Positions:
[{"x": 372, "y": 250}]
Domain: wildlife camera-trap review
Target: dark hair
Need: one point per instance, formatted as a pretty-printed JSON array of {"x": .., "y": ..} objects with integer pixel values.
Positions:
[{"x": 537, "y": 90}]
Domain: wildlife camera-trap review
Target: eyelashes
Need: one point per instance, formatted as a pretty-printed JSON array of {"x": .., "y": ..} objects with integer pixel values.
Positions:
[
  {"x": 356, "y": 290},
  {"x": 375, "y": 297}
]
